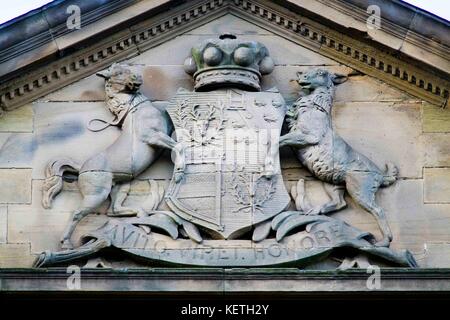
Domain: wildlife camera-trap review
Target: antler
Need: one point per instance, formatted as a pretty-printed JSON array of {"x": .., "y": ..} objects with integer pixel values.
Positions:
[
  {"x": 222, "y": 119},
  {"x": 181, "y": 113},
  {"x": 211, "y": 112},
  {"x": 195, "y": 113}
]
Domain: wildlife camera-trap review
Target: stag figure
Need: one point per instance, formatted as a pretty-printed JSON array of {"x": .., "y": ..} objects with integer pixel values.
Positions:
[
  {"x": 325, "y": 154},
  {"x": 145, "y": 130}
]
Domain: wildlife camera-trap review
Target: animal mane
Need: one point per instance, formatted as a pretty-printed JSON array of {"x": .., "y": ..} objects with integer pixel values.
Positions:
[{"x": 114, "y": 104}]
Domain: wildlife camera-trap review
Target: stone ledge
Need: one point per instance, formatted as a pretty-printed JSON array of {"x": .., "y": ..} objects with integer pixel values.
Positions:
[{"x": 281, "y": 281}]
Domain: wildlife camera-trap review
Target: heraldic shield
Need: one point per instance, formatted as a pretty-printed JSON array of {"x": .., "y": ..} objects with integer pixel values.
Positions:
[{"x": 230, "y": 177}]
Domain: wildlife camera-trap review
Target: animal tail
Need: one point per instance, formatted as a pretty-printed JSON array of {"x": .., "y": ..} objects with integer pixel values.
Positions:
[
  {"x": 390, "y": 175},
  {"x": 55, "y": 172}
]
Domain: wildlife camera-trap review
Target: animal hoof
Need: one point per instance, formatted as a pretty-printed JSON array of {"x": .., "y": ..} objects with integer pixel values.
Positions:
[{"x": 66, "y": 245}]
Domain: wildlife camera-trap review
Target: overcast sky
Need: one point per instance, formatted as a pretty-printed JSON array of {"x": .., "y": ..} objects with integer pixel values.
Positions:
[{"x": 15, "y": 8}]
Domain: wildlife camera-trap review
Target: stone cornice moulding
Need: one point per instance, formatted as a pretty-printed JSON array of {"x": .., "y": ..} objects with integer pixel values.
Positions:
[
  {"x": 393, "y": 33},
  {"x": 277, "y": 282},
  {"x": 40, "y": 31},
  {"x": 129, "y": 42}
]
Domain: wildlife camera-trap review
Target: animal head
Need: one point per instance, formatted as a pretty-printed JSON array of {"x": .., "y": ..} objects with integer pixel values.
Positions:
[
  {"x": 317, "y": 78},
  {"x": 121, "y": 78}
]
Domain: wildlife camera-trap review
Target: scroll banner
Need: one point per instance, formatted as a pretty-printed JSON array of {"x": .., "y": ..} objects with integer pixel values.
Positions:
[{"x": 321, "y": 236}]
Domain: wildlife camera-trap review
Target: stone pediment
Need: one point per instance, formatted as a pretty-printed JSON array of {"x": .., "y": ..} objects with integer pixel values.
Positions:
[
  {"x": 388, "y": 110},
  {"x": 396, "y": 54}
]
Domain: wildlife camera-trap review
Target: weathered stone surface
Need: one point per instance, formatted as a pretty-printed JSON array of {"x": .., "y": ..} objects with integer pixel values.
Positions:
[
  {"x": 162, "y": 82},
  {"x": 438, "y": 218},
  {"x": 410, "y": 48},
  {"x": 3, "y": 223},
  {"x": 91, "y": 88},
  {"x": 437, "y": 185},
  {"x": 73, "y": 38},
  {"x": 436, "y": 255},
  {"x": 16, "y": 150},
  {"x": 19, "y": 120},
  {"x": 435, "y": 119},
  {"x": 341, "y": 17},
  {"x": 276, "y": 282},
  {"x": 229, "y": 24},
  {"x": 405, "y": 212},
  {"x": 293, "y": 250},
  {"x": 365, "y": 88},
  {"x": 383, "y": 132},
  {"x": 43, "y": 228},
  {"x": 15, "y": 185},
  {"x": 379, "y": 121},
  {"x": 61, "y": 130},
  {"x": 161, "y": 169},
  {"x": 411, "y": 221},
  {"x": 356, "y": 88},
  {"x": 283, "y": 51},
  {"x": 14, "y": 255},
  {"x": 29, "y": 57},
  {"x": 140, "y": 191},
  {"x": 284, "y": 79},
  {"x": 437, "y": 151}
]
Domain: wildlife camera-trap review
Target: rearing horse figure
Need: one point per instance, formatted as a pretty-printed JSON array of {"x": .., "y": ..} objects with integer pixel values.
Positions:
[{"x": 145, "y": 130}]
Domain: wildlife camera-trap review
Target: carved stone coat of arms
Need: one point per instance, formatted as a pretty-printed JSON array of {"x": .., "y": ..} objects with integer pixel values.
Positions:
[
  {"x": 229, "y": 151},
  {"x": 229, "y": 206}
]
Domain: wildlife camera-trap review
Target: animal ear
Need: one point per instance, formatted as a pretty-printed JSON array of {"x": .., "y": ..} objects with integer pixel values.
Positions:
[
  {"x": 339, "y": 78},
  {"x": 299, "y": 73}
]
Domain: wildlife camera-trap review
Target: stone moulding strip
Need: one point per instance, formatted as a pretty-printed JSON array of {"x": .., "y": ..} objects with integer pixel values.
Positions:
[
  {"x": 61, "y": 29},
  {"x": 298, "y": 29},
  {"x": 280, "y": 281},
  {"x": 389, "y": 27}
]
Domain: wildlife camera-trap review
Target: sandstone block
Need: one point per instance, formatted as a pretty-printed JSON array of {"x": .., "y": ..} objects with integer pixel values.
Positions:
[
  {"x": 3, "y": 223},
  {"x": 61, "y": 131},
  {"x": 437, "y": 185},
  {"x": 229, "y": 24},
  {"x": 15, "y": 185},
  {"x": 18, "y": 120},
  {"x": 16, "y": 256},
  {"x": 384, "y": 132},
  {"x": 42, "y": 228},
  {"x": 435, "y": 119},
  {"x": 437, "y": 152}
]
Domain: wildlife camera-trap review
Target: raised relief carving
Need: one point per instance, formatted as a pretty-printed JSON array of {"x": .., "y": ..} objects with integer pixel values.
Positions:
[
  {"x": 320, "y": 149},
  {"x": 229, "y": 206},
  {"x": 145, "y": 130}
]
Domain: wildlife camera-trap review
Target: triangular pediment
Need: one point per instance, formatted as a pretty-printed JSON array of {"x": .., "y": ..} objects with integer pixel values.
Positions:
[{"x": 155, "y": 41}]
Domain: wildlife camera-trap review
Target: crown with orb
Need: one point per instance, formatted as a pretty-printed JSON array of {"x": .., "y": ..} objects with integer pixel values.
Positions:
[{"x": 228, "y": 61}]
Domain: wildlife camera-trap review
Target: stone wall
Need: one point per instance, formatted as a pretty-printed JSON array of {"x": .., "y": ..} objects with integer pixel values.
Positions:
[{"x": 383, "y": 123}]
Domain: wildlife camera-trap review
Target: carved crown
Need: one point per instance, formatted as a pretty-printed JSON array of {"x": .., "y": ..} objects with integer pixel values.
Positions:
[{"x": 228, "y": 61}]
